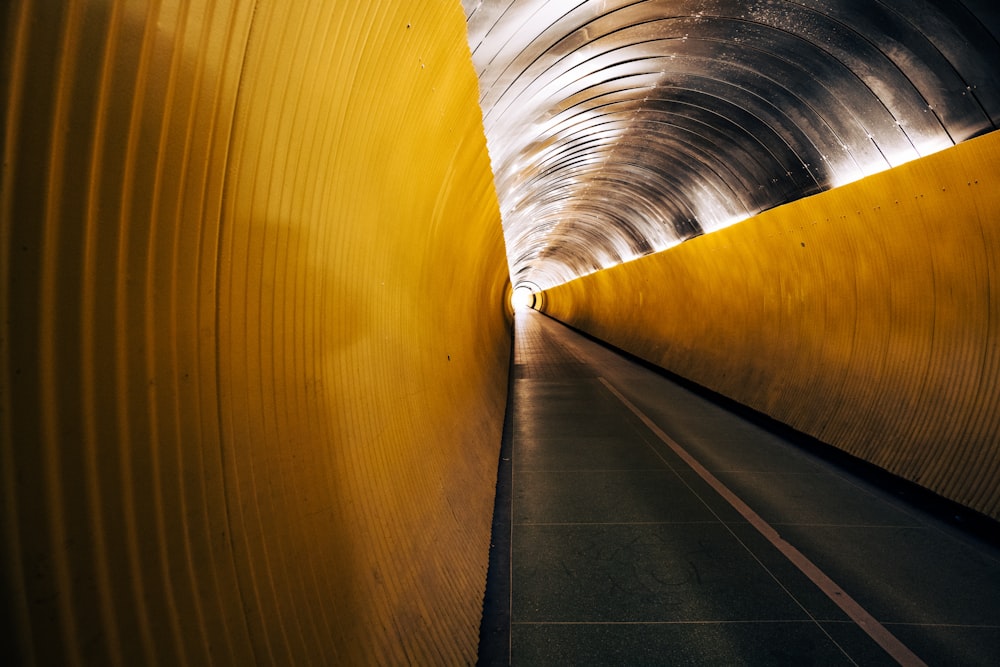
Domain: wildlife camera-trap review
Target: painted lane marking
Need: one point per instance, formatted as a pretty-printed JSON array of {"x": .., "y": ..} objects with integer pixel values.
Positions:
[{"x": 839, "y": 596}]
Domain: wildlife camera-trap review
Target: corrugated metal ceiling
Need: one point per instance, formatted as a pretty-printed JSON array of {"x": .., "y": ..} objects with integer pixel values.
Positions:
[{"x": 617, "y": 128}]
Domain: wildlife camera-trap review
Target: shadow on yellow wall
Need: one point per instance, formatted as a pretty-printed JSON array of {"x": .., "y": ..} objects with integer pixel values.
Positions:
[{"x": 254, "y": 356}]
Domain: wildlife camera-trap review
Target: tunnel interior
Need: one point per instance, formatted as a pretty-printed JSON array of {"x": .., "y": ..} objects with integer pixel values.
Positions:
[
  {"x": 618, "y": 129},
  {"x": 258, "y": 261}
]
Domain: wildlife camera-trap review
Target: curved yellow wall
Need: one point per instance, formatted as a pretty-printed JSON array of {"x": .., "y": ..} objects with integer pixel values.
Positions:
[
  {"x": 866, "y": 316},
  {"x": 254, "y": 350}
]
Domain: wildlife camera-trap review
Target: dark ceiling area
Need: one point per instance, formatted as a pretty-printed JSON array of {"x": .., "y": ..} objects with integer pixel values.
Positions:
[{"x": 619, "y": 128}]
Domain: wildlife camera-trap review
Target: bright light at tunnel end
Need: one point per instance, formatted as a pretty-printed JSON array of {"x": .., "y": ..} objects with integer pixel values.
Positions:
[{"x": 522, "y": 298}]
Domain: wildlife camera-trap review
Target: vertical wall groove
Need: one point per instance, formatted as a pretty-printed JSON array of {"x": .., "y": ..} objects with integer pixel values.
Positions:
[
  {"x": 254, "y": 354},
  {"x": 863, "y": 316}
]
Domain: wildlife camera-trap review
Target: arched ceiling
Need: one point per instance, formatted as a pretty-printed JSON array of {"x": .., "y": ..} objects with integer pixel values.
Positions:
[{"x": 617, "y": 128}]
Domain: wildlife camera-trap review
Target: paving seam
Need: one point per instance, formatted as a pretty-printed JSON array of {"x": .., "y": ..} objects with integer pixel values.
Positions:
[{"x": 864, "y": 620}]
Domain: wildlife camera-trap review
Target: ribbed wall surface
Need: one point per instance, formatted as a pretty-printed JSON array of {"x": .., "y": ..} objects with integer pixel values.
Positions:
[
  {"x": 253, "y": 353},
  {"x": 864, "y": 316},
  {"x": 618, "y": 128}
]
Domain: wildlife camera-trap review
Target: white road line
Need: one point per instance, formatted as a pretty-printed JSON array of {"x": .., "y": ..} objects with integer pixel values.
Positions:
[{"x": 854, "y": 611}]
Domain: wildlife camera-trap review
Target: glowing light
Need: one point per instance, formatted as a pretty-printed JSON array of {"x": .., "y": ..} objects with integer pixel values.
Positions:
[{"x": 522, "y": 298}]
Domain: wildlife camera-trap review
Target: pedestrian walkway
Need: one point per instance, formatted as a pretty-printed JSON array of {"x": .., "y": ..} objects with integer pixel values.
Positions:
[{"x": 648, "y": 526}]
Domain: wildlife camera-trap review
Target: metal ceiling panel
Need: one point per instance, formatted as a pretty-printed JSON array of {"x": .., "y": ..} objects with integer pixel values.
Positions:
[{"x": 618, "y": 128}]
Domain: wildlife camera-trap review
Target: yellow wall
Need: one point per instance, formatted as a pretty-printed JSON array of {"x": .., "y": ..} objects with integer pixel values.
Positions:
[
  {"x": 254, "y": 355},
  {"x": 866, "y": 316}
]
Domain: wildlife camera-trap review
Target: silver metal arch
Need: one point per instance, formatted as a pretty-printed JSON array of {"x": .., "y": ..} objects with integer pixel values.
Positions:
[{"x": 617, "y": 128}]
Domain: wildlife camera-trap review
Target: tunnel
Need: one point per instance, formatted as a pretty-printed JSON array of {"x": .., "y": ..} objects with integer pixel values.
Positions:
[{"x": 258, "y": 255}]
